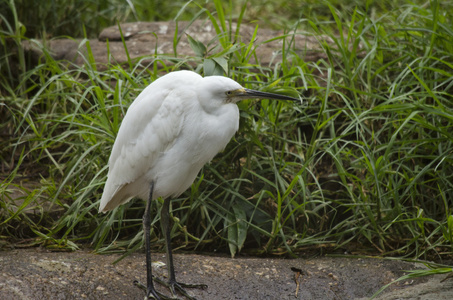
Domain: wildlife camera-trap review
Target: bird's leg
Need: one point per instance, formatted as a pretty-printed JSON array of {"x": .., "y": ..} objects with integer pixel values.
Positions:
[
  {"x": 172, "y": 283},
  {"x": 150, "y": 290}
]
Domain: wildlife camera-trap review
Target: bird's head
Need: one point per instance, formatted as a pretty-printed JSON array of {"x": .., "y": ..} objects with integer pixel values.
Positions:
[{"x": 215, "y": 91}]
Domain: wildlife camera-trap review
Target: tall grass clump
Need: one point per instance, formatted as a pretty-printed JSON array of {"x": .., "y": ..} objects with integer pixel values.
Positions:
[
  {"x": 365, "y": 160},
  {"x": 392, "y": 147}
]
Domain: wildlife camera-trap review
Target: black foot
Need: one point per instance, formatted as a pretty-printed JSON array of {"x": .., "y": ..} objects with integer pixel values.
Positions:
[
  {"x": 152, "y": 293},
  {"x": 180, "y": 287},
  {"x": 173, "y": 286}
]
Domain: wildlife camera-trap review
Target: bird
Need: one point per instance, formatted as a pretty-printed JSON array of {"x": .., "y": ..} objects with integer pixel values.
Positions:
[{"x": 176, "y": 125}]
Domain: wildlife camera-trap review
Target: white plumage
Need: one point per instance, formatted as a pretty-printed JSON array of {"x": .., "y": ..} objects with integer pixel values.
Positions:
[{"x": 170, "y": 131}]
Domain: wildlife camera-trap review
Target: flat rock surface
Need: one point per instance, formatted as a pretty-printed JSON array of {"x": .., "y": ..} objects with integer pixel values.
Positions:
[
  {"x": 39, "y": 274},
  {"x": 145, "y": 40}
]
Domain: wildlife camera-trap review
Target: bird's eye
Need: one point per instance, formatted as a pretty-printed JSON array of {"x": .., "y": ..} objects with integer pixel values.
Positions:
[{"x": 229, "y": 93}]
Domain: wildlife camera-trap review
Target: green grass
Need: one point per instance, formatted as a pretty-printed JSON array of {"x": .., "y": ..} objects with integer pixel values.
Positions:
[{"x": 366, "y": 160}]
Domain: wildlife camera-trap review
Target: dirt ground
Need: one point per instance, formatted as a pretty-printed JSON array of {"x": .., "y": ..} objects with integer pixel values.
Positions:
[{"x": 39, "y": 274}]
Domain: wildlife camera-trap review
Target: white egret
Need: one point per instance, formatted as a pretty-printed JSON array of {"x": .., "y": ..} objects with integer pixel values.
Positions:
[{"x": 175, "y": 126}]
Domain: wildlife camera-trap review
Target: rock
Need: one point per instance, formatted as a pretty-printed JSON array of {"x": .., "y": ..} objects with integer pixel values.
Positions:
[
  {"x": 40, "y": 274},
  {"x": 146, "y": 39}
]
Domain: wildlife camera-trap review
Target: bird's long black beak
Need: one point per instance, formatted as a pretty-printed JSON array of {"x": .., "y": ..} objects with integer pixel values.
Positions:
[{"x": 263, "y": 95}]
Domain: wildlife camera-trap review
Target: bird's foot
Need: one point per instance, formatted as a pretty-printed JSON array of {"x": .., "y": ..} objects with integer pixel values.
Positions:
[
  {"x": 151, "y": 293},
  {"x": 174, "y": 286}
]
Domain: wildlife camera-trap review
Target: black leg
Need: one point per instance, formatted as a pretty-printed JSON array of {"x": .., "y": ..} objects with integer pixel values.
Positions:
[
  {"x": 150, "y": 290},
  {"x": 166, "y": 229},
  {"x": 172, "y": 284}
]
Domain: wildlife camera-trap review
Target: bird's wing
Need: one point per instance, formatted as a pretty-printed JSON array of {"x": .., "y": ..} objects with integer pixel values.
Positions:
[{"x": 150, "y": 127}]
